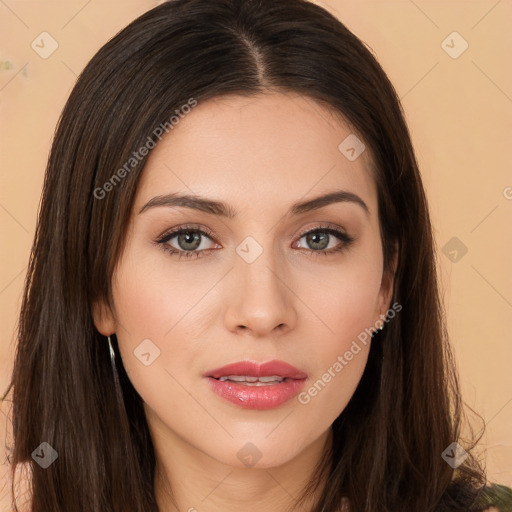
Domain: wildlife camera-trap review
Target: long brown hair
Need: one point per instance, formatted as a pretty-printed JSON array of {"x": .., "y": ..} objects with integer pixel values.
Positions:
[{"x": 387, "y": 443}]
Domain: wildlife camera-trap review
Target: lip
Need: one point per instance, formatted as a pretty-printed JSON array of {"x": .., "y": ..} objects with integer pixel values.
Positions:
[
  {"x": 253, "y": 369},
  {"x": 257, "y": 397}
]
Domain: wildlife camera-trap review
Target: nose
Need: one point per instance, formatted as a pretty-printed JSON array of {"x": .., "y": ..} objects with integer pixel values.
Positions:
[{"x": 261, "y": 298}]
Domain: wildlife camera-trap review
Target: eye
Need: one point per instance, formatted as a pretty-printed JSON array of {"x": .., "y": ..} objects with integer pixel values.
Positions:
[
  {"x": 320, "y": 240},
  {"x": 188, "y": 241}
]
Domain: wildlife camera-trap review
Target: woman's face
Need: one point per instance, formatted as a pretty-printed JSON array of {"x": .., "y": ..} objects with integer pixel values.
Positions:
[{"x": 257, "y": 287}]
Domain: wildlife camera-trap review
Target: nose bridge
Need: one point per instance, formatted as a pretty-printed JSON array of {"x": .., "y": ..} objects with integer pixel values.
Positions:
[
  {"x": 259, "y": 268},
  {"x": 263, "y": 298}
]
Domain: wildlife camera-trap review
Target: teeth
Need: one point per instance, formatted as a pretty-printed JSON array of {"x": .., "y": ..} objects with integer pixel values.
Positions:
[
  {"x": 239, "y": 378},
  {"x": 271, "y": 378},
  {"x": 252, "y": 381}
]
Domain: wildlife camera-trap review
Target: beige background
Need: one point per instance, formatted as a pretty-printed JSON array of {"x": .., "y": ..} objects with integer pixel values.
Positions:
[{"x": 459, "y": 111}]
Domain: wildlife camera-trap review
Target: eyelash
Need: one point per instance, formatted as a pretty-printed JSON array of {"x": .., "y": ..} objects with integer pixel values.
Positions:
[{"x": 346, "y": 240}]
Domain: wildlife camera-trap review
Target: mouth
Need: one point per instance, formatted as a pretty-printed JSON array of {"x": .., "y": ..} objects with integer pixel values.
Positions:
[{"x": 248, "y": 384}]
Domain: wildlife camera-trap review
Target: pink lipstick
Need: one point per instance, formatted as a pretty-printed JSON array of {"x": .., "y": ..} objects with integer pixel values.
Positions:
[{"x": 257, "y": 386}]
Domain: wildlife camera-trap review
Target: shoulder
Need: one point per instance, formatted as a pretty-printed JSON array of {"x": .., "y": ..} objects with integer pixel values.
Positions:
[
  {"x": 22, "y": 474},
  {"x": 22, "y": 486},
  {"x": 495, "y": 498}
]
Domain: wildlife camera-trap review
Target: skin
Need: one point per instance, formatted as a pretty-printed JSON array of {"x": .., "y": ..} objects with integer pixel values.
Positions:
[{"x": 260, "y": 155}]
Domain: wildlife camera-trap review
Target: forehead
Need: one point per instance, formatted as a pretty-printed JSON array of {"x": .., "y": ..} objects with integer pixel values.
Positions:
[{"x": 261, "y": 150}]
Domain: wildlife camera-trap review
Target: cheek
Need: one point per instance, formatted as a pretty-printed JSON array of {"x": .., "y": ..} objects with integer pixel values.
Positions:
[
  {"x": 345, "y": 299},
  {"x": 148, "y": 306},
  {"x": 339, "y": 357},
  {"x": 345, "y": 303},
  {"x": 330, "y": 390},
  {"x": 152, "y": 297},
  {"x": 169, "y": 309}
]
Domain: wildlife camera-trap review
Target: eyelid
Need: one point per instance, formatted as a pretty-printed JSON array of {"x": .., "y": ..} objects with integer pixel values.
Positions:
[
  {"x": 327, "y": 227},
  {"x": 205, "y": 231},
  {"x": 168, "y": 234}
]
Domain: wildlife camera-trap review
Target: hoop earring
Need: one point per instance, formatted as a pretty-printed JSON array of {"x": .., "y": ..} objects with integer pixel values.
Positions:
[
  {"x": 112, "y": 353},
  {"x": 117, "y": 384},
  {"x": 113, "y": 363}
]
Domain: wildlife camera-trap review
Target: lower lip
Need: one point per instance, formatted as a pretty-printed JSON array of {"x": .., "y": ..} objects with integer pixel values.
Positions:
[{"x": 257, "y": 397}]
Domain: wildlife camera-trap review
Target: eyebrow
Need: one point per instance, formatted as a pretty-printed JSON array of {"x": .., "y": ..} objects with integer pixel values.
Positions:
[{"x": 224, "y": 210}]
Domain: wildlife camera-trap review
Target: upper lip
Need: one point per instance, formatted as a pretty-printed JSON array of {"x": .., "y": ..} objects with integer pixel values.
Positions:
[{"x": 254, "y": 369}]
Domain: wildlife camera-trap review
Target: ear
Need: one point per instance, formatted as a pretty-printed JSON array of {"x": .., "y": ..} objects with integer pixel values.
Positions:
[
  {"x": 388, "y": 279},
  {"x": 103, "y": 318}
]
